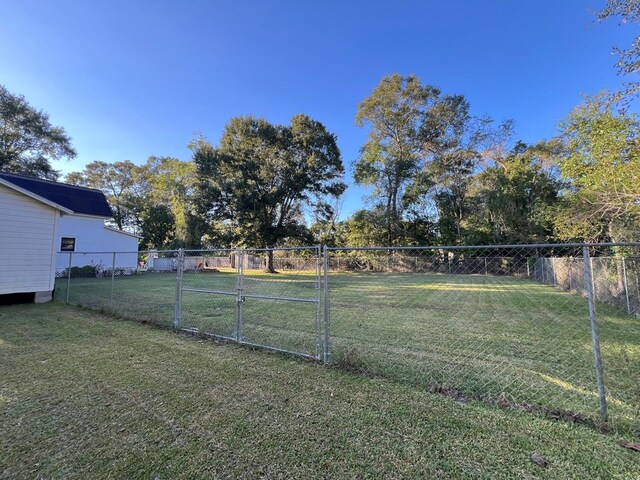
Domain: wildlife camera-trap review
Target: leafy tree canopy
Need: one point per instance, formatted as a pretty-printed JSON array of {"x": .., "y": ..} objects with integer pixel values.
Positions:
[
  {"x": 158, "y": 225},
  {"x": 28, "y": 141},
  {"x": 171, "y": 182},
  {"x": 628, "y": 64},
  {"x": 601, "y": 162},
  {"x": 119, "y": 181},
  {"x": 422, "y": 149},
  {"x": 262, "y": 176},
  {"x": 397, "y": 113},
  {"x": 513, "y": 200}
]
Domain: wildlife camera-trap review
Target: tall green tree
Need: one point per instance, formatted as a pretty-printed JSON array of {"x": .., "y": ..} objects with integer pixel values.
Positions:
[
  {"x": 122, "y": 184},
  {"x": 422, "y": 151},
  {"x": 513, "y": 201},
  {"x": 362, "y": 229},
  {"x": 158, "y": 227},
  {"x": 601, "y": 163},
  {"x": 454, "y": 158},
  {"x": 326, "y": 229},
  {"x": 262, "y": 176},
  {"x": 28, "y": 141},
  {"x": 172, "y": 182},
  {"x": 396, "y": 113}
]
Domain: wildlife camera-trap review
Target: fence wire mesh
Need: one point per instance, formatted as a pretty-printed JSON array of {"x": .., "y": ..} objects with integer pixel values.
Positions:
[
  {"x": 138, "y": 285},
  {"x": 508, "y": 325},
  {"x": 504, "y": 324},
  {"x": 615, "y": 278}
]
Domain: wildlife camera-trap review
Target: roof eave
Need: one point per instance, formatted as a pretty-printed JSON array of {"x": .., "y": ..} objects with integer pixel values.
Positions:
[
  {"x": 91, "y": 215},
  {"x": 34, "y": 196},
  {"x": 122, "y": 232}
]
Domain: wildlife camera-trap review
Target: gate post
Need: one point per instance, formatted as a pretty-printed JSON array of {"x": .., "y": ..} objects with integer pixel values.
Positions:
[
  {"x": 594, "y": 333},
  {"x": 113, "y": 278},
  {"x": 626, "y": 288},
  {"x": 319, "y": 266},
  {"x": 69, "y": 277},
  {"x": 177, "y": 321},
  {"x": 239, "y": 297},
  {"x": 327, "y": 317}
]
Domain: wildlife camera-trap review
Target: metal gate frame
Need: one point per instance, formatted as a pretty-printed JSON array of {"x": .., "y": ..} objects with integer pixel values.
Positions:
[{"x": 241, "y": 296}]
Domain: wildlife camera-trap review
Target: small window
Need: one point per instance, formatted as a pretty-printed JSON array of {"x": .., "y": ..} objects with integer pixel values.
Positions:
[{"x": 68, "y": 244}]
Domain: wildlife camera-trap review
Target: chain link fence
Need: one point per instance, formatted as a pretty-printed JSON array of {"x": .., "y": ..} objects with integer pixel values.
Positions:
[
  {"x": 547, "y": 328},
  {"x": 223, "y": 293},
  {"x": 615, "y": 279},
  {"x": 137, "y": 285},
  {"x": 501, "y": 323}
]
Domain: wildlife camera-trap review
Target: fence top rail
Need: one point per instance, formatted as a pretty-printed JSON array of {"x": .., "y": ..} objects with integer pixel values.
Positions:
[
  {"x": 119, "y": 251},
  {"x": 210, "y": 250},
  {"x": 279, "y": 249},
  {"x": 488, "y": 247},
  {"x": 250, "y": 249}
]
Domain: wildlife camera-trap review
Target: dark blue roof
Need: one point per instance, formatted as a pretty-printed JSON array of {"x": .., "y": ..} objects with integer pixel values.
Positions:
[{"x": 77, "y": 199}]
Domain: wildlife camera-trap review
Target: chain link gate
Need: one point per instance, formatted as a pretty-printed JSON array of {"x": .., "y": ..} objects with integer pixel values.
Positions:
[{"x": 229, "y": 294}]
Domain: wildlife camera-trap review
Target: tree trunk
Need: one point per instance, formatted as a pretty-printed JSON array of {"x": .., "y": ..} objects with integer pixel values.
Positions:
[
  {"x": 389, "y": 221},
  {"x": 268, "y": 268}
]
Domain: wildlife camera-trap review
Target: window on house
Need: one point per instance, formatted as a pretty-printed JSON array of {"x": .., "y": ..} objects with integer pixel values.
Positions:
[{"x": 68, "y": 244}]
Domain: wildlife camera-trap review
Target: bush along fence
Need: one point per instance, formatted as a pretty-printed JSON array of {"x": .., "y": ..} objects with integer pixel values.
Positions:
[{"x": 547, "y": 328}]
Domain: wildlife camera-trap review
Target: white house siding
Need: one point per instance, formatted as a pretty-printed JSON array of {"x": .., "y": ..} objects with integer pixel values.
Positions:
[
  {"x": 92, "y": 236},
  {"x": 27, "y": 231}
]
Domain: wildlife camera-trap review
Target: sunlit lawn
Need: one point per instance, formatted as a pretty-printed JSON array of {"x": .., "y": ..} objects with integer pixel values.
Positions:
[
  {"x": 502, "y": 338},
  {"x": 87, "y": 396}
]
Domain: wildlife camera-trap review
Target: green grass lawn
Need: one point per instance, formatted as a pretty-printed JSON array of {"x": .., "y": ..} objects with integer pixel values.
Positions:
[
  {"x": 86, "y": 396},
  {"x": 500, "y": 338}
]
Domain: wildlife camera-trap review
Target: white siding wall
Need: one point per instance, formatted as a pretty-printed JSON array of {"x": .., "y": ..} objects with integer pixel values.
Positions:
[
  {"x": 27, "y": 232},
  {"x": 92, "y": 236}
]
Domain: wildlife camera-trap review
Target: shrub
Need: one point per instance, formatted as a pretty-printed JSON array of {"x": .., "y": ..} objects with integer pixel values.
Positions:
[{"x": 87, "y": 271}]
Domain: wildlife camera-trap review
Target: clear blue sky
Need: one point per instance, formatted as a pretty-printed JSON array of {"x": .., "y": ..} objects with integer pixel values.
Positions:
[{"x": 130, "y": 79}]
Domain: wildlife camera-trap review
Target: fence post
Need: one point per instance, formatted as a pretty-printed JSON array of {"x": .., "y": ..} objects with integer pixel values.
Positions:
[
  {"x": 69, "y": 276},
  {"x": 239, "y": 297},
  {"x": 569, "y": 275},
  {"x": 594, "y": 333},
  {"x": 486, "y": 269},
  {"x": 327, "y": 316},
  {"x": 113, "y": 278},
  {"x": 626, "y": 289},
  {"x": 593, "y": 280},
  {"x": 177, "y": 321},
  {"x": 319, "y": 299},
  {"x": 637, "y": 286}
]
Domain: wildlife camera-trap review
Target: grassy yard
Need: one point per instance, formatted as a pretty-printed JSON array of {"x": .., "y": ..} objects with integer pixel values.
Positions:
[
  {"x": 86, "y": 396},
  {"x": 500, "y": 338}
]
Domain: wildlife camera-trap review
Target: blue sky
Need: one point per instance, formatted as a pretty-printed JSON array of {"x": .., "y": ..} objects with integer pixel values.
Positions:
[{"x": 132, "y": 79}]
